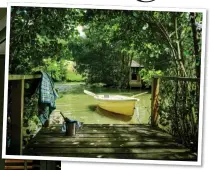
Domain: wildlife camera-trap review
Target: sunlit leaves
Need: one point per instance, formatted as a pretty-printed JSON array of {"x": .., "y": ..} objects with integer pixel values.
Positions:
[
  {"x": 145, "y": 26},
  {"x": 147, "y": 75}
]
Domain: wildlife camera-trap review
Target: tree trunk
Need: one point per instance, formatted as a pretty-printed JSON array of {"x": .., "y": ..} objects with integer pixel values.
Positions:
[
  {"x": 196, "y": 43},
  {"x": 184, "y": 73}
]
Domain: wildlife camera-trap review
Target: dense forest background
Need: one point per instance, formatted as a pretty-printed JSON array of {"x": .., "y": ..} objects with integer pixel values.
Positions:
[{"x": 101, "y": 44}]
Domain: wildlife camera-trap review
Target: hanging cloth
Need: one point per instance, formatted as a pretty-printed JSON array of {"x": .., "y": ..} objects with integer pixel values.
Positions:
[{"x": 47, "y": 98}]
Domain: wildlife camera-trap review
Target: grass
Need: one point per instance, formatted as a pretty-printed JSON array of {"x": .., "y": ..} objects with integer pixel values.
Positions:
[{"x": 74, "y": 77}]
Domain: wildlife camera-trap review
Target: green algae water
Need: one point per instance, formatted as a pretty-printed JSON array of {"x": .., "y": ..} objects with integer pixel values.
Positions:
[{"x": 82, "y": 107}]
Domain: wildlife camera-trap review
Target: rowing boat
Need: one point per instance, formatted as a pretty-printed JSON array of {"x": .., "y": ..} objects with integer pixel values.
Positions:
[{"x": 115, "y": 103}]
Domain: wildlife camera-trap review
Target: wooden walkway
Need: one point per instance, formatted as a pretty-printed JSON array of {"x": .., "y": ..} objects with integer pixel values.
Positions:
[{"x": 109, "y": 141}]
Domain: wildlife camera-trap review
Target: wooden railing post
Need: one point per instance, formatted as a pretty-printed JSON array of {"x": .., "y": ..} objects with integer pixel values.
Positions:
[
  {"x": 2, "y": 61},
  {"x": 17, "y": 109},
  {"x": 25, "y": 165},
  {"x": 154, "y": 107}
]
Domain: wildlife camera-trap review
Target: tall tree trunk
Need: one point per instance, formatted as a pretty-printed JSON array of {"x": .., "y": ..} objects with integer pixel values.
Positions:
[
  {"x": 196, "y": 43},
  {"x": 184, "y": 73}
]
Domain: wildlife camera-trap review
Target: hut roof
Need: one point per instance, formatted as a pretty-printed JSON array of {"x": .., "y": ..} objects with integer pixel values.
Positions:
[{"x": 135, "y": 64}]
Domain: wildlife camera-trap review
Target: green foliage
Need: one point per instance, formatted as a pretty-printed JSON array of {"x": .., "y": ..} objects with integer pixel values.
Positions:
[
  {"x": 38, "y": 34},
  {"x": 73, "y": 77},
  {"x": 165, "y": 43},
  {"x": 179, "y": 110},
  {"x": 158, "y": 40},
  {"x": 147, "y": 75}
]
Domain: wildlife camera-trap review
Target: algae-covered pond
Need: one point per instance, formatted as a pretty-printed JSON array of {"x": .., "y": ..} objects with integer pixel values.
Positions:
[{"x": 79, "y": 106}]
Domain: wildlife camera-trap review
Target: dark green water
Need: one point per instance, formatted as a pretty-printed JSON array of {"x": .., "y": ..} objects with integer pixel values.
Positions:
[{"x": 79, "y": 106}]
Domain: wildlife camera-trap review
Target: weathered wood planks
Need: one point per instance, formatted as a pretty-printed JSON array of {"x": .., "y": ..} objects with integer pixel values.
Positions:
[
  {"x": 109, "y": 141},
  {"x": 18, "y": 164},
  {"x": 24, "y": 77}
]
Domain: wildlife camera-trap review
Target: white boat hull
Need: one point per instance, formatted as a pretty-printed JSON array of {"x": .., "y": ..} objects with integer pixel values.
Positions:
[{"x": 117, "y": 104}]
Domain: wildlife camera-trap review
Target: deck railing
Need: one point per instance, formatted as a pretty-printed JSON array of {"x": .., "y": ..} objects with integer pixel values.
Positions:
[
  {"x": 175, "y": 107},
  {"x": 17, "y": 109},
  {"x": 155, "y": 94},
  {"x": 17, "y": 104}
]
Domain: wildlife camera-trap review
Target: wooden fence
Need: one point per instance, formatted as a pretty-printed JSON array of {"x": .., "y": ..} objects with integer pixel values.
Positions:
[
  {"x": 17, "y": 109},
  {"x": 155, "y": 94}
]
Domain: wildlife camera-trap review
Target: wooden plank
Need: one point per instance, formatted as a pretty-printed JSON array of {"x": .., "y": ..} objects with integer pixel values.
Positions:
[
  {"x": 17, "y": 116},
  {"x": 17, "y": 167},
  {"x": 113, "y": 142},
  {"x": 178, "y": 78},
  {"x": 139, "y": 131},
  {"x": 19, "y": 164},
  {"x": 118, "y": 150},
  {"x": 115, "y": 125},
  {"x": 118, "y": 139},
  {"x": 24, "y": 77},
  {"x": 90, "y": 128},
  {"x": 108, "y": 127},
  {"x": 105, "y": 144},
  {"x": 2, "y": 62},
  {"x": 176, "y": 156},
  {"x": 154, "y": 105},
  {"x": 17, "y": 161},
  {"x": 103, "y": 135}
]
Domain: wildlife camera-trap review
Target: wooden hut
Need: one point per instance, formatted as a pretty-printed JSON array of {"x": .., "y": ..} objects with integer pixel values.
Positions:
[{"x": 134, "y": 77}]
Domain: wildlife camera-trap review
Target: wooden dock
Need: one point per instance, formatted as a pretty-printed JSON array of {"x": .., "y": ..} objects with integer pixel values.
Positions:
[{"x": 109, "y": 141}]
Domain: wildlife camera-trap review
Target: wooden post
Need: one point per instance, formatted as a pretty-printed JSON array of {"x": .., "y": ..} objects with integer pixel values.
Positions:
[
  {"x": 17, "y": 116},
  {"x": 2, "y": 59},
  {"x": 25, "y": 165},
  {"x": 154, "y": 107}
]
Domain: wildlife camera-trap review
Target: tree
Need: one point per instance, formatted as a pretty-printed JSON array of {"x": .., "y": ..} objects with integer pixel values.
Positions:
[{"x": 38, "y": 34}]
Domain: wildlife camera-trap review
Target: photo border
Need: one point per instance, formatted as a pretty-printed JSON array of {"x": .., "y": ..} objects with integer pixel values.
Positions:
[{"x": 114, "y": 7}]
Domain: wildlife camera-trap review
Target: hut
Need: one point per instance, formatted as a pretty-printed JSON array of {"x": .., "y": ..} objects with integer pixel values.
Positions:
[{"x": 134, "y": 77}]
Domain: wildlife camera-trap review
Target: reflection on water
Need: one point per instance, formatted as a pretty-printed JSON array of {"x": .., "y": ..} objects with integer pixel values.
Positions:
[{"x": 79, "y": 106}]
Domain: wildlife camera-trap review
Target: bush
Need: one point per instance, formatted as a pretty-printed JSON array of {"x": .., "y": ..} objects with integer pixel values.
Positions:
[{"x": 146, "y": 75}]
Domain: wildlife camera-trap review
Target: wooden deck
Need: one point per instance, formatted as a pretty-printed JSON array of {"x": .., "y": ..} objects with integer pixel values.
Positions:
[{"x": 109, "y": 141}]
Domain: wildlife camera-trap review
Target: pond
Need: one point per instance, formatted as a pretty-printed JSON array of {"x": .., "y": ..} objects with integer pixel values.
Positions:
[{"x": 79, "y": 106}]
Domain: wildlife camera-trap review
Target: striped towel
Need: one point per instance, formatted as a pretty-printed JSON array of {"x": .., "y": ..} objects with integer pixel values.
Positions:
[{"x": 47, "y": 97}]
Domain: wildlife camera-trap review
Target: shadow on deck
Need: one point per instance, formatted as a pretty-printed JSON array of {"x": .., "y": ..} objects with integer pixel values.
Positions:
[{"x": 109, "y": 141}]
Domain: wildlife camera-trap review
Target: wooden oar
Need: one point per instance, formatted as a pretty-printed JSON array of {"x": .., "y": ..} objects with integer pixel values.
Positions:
[
  {"x": 90, "y": 93},
  {"x": 139, "y": 94},
  {"x": 65, "y": 118}
]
